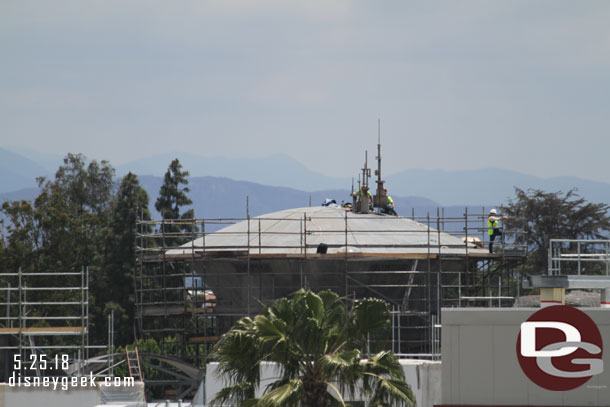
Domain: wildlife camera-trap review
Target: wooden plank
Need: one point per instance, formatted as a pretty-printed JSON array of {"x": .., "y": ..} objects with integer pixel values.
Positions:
[
  {"x": 174, "y": 310},
  {"x": 312, "y": 256},
  {"x": 50, "y": 330},
  {"x": 202, "y": 339}
]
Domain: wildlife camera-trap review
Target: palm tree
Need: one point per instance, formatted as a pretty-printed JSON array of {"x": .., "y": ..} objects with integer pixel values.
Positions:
[{"x": 322, "y": 350}]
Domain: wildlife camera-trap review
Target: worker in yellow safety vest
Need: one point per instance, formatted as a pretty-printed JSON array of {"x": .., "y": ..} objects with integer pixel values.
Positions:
[
  {"x": 390, "y": 206},
  {"x": 361, "y": 196},
  {"x": 361, "y": 192},
  {"x": 493, "y": 228}
]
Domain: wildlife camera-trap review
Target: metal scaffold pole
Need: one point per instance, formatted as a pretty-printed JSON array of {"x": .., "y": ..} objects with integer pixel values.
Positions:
[
  {"x": 346, "y": 271},
  {"x": 429, "y": 285},
  {"x": 248, "y": 254}
]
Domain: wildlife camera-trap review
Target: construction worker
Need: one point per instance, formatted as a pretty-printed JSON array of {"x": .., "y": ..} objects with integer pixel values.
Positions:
[
  {"x": 390, "y": 206},
  {"x": 492, "y": 228},
  {"x": 361, "y": 196}
]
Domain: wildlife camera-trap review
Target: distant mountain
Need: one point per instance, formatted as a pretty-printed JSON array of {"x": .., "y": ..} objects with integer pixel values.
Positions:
[
  {"x": 275, "y": 170},
  {"x": 216, "y": 197},
  {"x": 49, "y": 161},
  {"x": 484, "y": 187},
  {"x": 18, "y": 172},
  {"x": 26, "y": 194},
  {"x": 490, "y": 186},
  {"x": 222, "y": 197}
]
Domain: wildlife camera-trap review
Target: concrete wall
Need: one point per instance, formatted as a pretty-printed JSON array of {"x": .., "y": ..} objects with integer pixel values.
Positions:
[
  {"x": 424, "y": 377},
  {"x": 425, "y": 380},
  {"x": 480, "y": 365}
]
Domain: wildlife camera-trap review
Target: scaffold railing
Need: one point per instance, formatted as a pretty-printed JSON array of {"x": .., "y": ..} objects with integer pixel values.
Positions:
[
  {"x": 579, "y": 256},
  {"x": 471, "y": 228}
]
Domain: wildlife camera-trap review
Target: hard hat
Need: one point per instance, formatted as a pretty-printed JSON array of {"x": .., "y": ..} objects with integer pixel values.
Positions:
[{"x": 493, "y": 211}]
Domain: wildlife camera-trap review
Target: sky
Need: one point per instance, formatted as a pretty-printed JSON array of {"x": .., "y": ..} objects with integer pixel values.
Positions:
[{"x": 519, "y": 85}]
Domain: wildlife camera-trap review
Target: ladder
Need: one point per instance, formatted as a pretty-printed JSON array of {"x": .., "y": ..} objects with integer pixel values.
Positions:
[{"x": 133, "y": 363}]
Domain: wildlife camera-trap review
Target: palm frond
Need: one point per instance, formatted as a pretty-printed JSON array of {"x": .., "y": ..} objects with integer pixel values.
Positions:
[
  {"x": 237, "y": 394},
  {"x": 392, "y": 392},
  {"x": 238, "y": 354},
  {"x": 335, "y": 364},
  {"x": 384, "y": 363},
  {"x": 315, "y": 306},
  {"x": 287, "y": 395},
  {"x": 269, "y": 331},
  {"x": 371, "y": 318}
]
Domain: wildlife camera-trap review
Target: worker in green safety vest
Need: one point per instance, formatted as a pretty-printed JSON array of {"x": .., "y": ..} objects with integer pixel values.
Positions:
[
  {"x": 390, "y": 206},
  {"x": 361, "y": 196},
  {"x": 361, "y": 192},
  {"x": 493, "y": 228}
]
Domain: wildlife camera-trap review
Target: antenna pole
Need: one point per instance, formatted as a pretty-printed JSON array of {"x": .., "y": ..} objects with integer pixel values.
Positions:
[
  {"x": 364, "y": 197},
  {"x": 378, "y": 154},
  {"x": 380, "y": 195},
  {"x": 365, "y": 179},
  {"x": 379, "y": 181}
]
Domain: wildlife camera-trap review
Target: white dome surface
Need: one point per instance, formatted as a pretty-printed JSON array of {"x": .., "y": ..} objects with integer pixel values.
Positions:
[{"x": 288, "y": 232}]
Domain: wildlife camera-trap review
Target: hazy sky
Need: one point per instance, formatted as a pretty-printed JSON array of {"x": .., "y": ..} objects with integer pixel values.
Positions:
[{"x": 521, "y": 85}]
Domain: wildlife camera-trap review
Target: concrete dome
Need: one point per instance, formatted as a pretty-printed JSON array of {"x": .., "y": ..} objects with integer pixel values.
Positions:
[{"x": 299, "y": 231}]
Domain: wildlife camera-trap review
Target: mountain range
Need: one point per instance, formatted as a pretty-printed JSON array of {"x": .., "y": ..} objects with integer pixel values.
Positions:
[
  {"x": 219, "y": 186},
  {"x": 226, "y": 198}
]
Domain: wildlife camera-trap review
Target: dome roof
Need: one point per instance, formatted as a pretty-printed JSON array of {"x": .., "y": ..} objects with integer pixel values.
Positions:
[{"x": 292, "y": 231}]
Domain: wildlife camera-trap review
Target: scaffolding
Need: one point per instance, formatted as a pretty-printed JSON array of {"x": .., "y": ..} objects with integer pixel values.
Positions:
[
  {"x": 195, "y": 294},
  {"x": 579, "y": 256},
  {"x": 36, "y": 329}
]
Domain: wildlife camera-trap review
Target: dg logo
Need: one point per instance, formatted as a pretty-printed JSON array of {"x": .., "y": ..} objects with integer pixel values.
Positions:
[{"x": 560, "y": 348}]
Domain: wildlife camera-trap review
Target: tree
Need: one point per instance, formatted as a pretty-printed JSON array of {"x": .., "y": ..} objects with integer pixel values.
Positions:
[
  {"x": 71, "y": 211},
  {"x": 172, "y": 197},
  {"x": 23, "y": 239},
  {"x": 318, "y": 345},
  {"x": 543, "y": 216},
  {"x": 119, "y": 257}
]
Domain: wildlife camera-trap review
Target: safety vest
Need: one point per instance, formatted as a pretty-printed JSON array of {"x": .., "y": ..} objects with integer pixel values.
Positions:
[
  {"x": 368, "y": 192},
  {"x": 491, "y": 226},
  {"x": 390, "y": 200}
]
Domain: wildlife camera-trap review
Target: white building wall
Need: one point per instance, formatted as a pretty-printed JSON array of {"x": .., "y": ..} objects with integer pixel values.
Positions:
[{"x": 480, "y": 365}]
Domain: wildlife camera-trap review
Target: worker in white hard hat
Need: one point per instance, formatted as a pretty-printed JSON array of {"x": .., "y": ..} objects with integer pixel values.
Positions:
[{"x": 493, "y": 228}]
